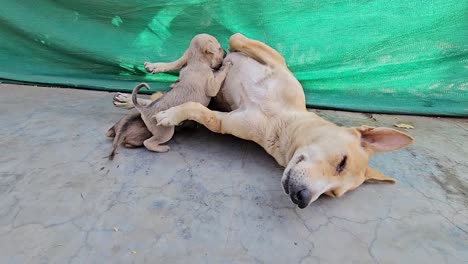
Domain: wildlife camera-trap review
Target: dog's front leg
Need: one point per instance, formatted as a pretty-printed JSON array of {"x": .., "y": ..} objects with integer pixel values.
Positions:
[
  {"x": 166, "y": 66},
  {"x": 215, "y": 82},
  {"x": 242, "y": 124}
]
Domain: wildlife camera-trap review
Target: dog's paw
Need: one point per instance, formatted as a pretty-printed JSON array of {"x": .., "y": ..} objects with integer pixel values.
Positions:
[
  {"x": 163, "y": 148},
  {"x": 155, "y": 147},
  {"x": 166, "y": 118},
  {"x": 236, "y": 42},
  {"x": 111, "y": 132},
  {"x": 122, "y": 100},
  {"x": 227, "y": 65},
  {"x": 153, "y": 67}
]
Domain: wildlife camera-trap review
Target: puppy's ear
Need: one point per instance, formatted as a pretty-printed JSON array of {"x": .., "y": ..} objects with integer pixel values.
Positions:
[
  {"x": 373, "y": 175},
  {"x": 382, "y": 139},
  {"x": 209, "y": 48}
]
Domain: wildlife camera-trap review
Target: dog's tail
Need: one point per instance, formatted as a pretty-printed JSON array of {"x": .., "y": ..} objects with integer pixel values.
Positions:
[
  {"x": 115, "y": 144},
  {"x": 135, "y": 93},
  {"x": 119, "y": 130}
]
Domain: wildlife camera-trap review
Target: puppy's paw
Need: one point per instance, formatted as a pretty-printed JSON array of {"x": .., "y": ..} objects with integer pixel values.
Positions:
[
  {"x": 122, "y": 100},
  {"x": 167, "y": 118},
  {"x": 163, "y": 148},
  {"x": 111, "y": 132},
  {"x": 153, "y": 67},
  {"x": 227, "y": 65},
  {"x": 154, "y": 146}
]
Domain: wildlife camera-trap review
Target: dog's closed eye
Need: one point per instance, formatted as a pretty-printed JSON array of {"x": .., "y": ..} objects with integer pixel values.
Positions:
[
  {"x": 300, "y": 159},
  {"x": 340, "y": 167}
]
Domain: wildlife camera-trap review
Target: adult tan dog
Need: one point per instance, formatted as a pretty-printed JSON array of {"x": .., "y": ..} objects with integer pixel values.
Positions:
[{"x": 267, "y": 105}]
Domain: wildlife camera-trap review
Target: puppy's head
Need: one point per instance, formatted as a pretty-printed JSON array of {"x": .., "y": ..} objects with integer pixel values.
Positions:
[
  {"x": 205, "y": 47},
  {"x": 334, "y": 161}
]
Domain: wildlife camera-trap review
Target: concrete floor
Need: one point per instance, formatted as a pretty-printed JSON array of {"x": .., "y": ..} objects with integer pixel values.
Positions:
[{"x": 213, "y": 198}]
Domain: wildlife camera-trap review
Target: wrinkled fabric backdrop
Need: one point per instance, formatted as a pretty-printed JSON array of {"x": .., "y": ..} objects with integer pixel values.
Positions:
[{"x": 383, "y": 56}]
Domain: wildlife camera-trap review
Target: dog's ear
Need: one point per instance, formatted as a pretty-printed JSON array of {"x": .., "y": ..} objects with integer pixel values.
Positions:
[
  {"x": 373, "y": 175},
  {"x": 382, "y": 139},
  {"x": 209, "y": 48}
]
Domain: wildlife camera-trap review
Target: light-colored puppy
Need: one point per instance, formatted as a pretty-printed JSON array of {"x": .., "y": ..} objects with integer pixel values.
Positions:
[
  {"x": 267, "y": 105},
  {"x": 197, "y": 83}
]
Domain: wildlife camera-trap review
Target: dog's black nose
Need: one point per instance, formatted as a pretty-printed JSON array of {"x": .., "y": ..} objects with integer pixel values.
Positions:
[{"x": 302, "y": 198}]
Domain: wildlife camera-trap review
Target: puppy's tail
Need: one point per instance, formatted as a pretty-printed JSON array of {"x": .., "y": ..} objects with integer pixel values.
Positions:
[
  {"x": 119, "y": 130},
  {"x": 115, "y": 144},
  {"x": 135, "y": 93}
]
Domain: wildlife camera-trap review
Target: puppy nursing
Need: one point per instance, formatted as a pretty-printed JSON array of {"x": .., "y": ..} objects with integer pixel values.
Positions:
[
  {"x": 197, "y": 83},
  {"x": 266, "y": 104}
]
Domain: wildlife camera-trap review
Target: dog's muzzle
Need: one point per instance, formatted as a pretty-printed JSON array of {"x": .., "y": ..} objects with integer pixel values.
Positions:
[
  {"x": 300, "y": 195},
  {"x": 301, "y": 198}
]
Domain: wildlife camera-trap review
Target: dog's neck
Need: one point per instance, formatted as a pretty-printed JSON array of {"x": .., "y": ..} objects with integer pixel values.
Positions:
[{"x": 289, "y": 133}]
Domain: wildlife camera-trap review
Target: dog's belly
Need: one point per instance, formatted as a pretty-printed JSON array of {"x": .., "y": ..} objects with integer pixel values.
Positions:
[
  {"x": 243, "y": 84},
  {"x": 252, "y": 85}
]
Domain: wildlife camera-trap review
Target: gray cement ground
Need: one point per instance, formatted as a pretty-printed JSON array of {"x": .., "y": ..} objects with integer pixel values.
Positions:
[{"x": 213, "y": 198}]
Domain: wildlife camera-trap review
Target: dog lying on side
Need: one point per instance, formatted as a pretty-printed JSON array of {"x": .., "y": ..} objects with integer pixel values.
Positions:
[
  {"x": 267, "y": 106},
  {"x": 197, "y": 83}
]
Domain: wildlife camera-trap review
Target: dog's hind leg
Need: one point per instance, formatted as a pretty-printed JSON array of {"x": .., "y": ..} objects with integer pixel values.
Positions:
[
  {"x": 123, "y": 100},
  {"x": 256, "y": 50},
  {"x": 239, "y": 123},
  {"x": 160, "y": 136}
]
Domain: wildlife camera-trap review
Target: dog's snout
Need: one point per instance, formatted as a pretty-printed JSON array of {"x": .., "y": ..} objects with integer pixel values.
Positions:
[
  {"x": 304, "y": 197},
  {"x": 301, "y": 198},
  {"x": 299, "y": 194}
]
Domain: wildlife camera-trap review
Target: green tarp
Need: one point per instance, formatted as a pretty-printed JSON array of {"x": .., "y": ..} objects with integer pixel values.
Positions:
[{"x": 384, "y": 56}]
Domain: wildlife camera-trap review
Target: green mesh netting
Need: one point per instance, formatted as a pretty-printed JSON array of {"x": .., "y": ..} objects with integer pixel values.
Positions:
[{"x": 385, "y": 56}]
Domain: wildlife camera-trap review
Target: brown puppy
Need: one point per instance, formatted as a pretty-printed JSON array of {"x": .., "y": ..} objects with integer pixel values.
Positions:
[
  {"x": 197, "y": 83},
  {"x": 267, "y": 105},
  {"x": 130, "y": 130}
]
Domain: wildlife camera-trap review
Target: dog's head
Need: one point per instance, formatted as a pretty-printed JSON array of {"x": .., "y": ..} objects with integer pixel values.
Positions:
[
  {"x": 207, "y": 48},
  {"x": 334, "y": 161}
]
